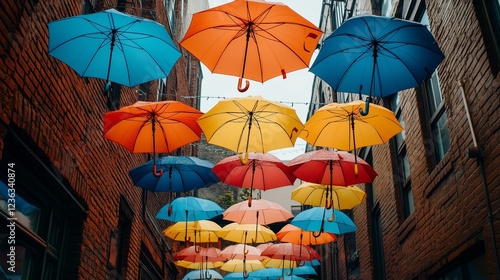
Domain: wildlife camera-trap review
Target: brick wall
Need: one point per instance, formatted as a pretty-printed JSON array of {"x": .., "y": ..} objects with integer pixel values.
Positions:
[
  {"x": 449, "y": 197},
  {"x": 62, "y": 113}
]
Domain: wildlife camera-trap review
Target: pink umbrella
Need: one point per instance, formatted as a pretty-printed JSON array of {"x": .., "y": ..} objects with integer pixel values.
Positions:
[{"x": 242, "y": 251}]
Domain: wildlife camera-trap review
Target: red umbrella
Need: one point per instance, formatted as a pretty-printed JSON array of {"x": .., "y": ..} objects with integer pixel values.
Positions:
[
  {"x": 198, "y": 254},
  {"x": 330, "y": 168},
  {"x": 291, "y": 252},
  {"x": 261, "y": 171}
]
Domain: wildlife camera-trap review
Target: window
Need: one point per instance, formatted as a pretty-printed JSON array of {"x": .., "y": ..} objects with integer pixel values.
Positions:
[
  {"x": 351, "y": 252},
  {"x": 377, "y": 245},
  {"x": 386, "y": 9},
  {"x": 46, "y": 232},
  {"x": 488, "y": 14},
  {"x": 471, "y": 264},
  {"x": 437, "y": 119},
  {"x": 148, "y": 269},
  {"x": 120, "y": 242},
  {"x": 402, "y": 165}
]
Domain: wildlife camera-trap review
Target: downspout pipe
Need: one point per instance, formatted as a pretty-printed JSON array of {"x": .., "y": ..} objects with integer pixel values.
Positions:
[{"x": 477, "y": 152}]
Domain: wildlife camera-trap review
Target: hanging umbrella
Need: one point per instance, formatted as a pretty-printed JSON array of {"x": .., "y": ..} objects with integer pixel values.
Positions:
[
  {"x": 198, "y": 265},
  {"x": 352, "y": 129},
  {"x": 296, "y": 235},
  {"x": 242, "y": 266},
  {"x": 261, "y": 171},
  {"x": 182, "y": 174},
  {"x": 253, "y": 39},
  {"x": 344, "y": 198},
  {"x": 189, "y": 208},
  {"x": 251, "y": 124},
  {"x": 302, "y": 270},
  {"x": 377, "y": 56},
  {"x": 150, "y": 127},
  {"x": 238, "y": 276},
  {"x": 238, "y": 233},
  {"x": 202, "y": 274},
  {"x": 202, "y": 231},
  {"x": 292, "y": 252},
  {"x": 283, "y": 264},
  {"x": 267, "y": 273},
  {"x": 242, "y": 251},
  {"x": 318, "y": 219},
  {"x": 196, "y": 253},
  {"x": 332, "y": 168},
  {"x": 113, "y": 46}
]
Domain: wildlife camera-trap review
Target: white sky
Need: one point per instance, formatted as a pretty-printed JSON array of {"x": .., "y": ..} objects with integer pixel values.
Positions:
[{"x": 296, "y": 88}]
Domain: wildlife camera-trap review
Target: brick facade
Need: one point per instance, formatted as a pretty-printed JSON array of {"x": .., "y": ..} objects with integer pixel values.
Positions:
[
  {"x": 450, "y": 224},
  {"x": 58, "y": 115}
]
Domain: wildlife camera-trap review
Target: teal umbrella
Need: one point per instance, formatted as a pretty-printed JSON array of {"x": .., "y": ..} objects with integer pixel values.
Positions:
[
  {"x": 189, "y": 208},
  {"x": 320, "y": 219}
]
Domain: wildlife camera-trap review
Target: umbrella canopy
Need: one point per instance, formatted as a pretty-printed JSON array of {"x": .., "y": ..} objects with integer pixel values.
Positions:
[
  {"x": 283, "y": 264},
  {"x": 202, "y": 274},
  {"x": 344, "y": 198},
  {"x": 292, "y": 252},
  {"x": 242, "y": 265},
  {"x": 318, "y": 219},
  {"x": 251, "y": 124},
  {"x": 242, "y": 251},
  {"x": 196, "y": 253},
  {"x": 352, "y": 129},
  {"x": 238, "y": 233},
  {"x": 202, "y": 231},
  {"x": 198, "y": 265},
  {"x": 261, "y": 211},
  {"x": 253, "y": 39},
  {"x": 296, "y": 235},
  {"x": 377, "y": 56},
  {"x": 150, "y": 127},
  {"x": 238, "y": 276},
  {"x": 332, "y": 168},
  {"x": 189, "y": 208},
  {"x": 261, "y": 171},
  {"x": 182, "y": 174},
  {"x": 113, "y": 46}
]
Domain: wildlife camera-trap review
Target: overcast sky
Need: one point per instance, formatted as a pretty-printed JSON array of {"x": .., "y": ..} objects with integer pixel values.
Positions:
[{"x": 296, "y": 88}]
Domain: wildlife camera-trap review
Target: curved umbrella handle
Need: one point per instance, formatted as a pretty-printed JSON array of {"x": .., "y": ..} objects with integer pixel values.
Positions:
[
  {"x": 283, "y": 73},
  {"x": 367, "y": 108},
  {"x": 329, "y": 204},
  {"x": 156, "y": 173},
  {"x": 310, "y": 35},
  {"x": 197, "y": 248},
  {"x": 244, "y": 158},
  {"x": 318, "y": 234},
  {"x": 250, "y": 201},
  {"x": 332, "y": 218},
  {"x": 243, "y": 89}
]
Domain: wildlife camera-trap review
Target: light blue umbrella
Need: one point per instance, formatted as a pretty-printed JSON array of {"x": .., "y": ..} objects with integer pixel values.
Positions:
[
  {"x": 189, "y": 208},
  {"x": 319, "y": 219},
  {"x": 377, "y": 56},
  {"x": 202, "y": 274},
  {"x": 237, "y": 276},
  {"x": 303, "y": 270},
  {"x": 113, "y": 46}
]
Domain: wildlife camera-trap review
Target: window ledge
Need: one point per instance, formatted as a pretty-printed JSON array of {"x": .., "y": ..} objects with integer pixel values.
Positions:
[
  {"x": 407, "y": 227},
  {"x": 438, "y": 175}
]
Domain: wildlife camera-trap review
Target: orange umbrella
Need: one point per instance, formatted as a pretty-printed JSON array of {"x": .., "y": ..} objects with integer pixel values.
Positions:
[
  {"x": 150, "y": 127},
  {"x": 296, "y": 235},
  {"x": 251, "y": 39}
]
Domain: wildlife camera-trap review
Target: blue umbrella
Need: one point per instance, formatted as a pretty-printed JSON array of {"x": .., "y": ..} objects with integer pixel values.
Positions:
[
  {"x": 377, "y": 56},
  {"x": 317, "y": 219},
  {"x": 237, "y": 276},
  {"x": 113, "y": 46},
  {"x": 180, "y": 174},
  {"x": 189, "y": 208},
  {"x": 202, "y": 274},
  {"x": 267, "y": 273}
]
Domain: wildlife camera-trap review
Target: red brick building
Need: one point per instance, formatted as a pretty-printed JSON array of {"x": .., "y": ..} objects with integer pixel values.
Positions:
[
  {"x": 432, "y": 213},
  {"x": 77, "y": 213}
]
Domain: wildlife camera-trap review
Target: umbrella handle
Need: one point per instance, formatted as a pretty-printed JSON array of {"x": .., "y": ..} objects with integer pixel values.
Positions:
[
  {"x": 250, "y": 201},
  {"x": 367, "y": 107},
  {"x": 329, "y": 204},
  {"x": 245, "y": 88},
  {"x": 156, "y": 173},
  {"x": 208, "y": 275},
  {"x": 310, "y": 35},
  {"x": 318, "y": 234},
  {"x": 332, "y": 218}
]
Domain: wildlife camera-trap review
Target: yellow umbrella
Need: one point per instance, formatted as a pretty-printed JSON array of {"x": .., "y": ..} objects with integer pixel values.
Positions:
[
  {"x": 342, "y": 198},
  {"x": 342, "y": 126},
  {"x": 279, "y": 263},
  {"x": 239, "y": 233},
  {"x": 251, "y": 124},
  {"x": 201, "y": 231},
  {"x": 242, "y": 266},
  {"x": 198, "y": 265}
]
